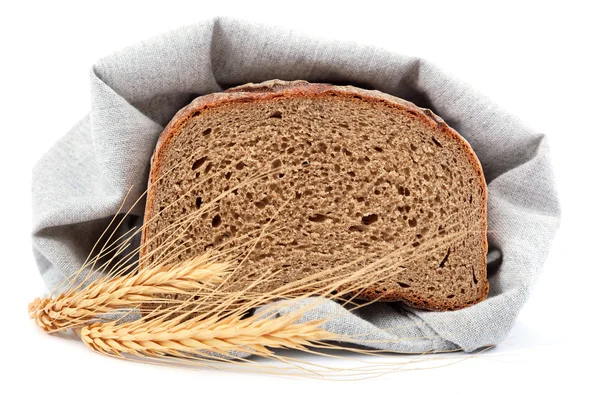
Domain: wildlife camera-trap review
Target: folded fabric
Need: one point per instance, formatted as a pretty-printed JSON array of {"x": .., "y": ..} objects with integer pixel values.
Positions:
[{"x": 79, "y": 185}]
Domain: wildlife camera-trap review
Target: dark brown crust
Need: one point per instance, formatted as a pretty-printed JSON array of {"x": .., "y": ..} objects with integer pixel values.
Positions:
[{"x": 268, "y": 90}]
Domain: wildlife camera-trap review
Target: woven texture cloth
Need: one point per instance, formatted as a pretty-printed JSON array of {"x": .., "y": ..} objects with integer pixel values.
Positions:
[{"x": 79, "y": 185}]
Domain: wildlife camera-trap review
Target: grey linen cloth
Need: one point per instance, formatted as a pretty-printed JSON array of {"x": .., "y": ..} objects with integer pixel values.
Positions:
[{"x": 79, "y": 185}]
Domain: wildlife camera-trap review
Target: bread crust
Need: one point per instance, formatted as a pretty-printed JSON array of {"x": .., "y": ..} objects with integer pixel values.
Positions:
[{"x": 272, "y": 89}]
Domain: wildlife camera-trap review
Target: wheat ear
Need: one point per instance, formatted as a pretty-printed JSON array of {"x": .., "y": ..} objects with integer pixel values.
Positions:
[
  {"x": 252, "y": 335},
  {"x": 75, "y": 307}
]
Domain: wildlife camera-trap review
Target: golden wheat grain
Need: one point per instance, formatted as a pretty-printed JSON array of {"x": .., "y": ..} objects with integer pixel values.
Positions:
[{"x": 75, "y": 307}]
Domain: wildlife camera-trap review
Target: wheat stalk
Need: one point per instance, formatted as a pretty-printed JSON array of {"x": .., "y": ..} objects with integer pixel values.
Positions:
[
  {"x": 75, "y": 307},
  {"x": 208, "y": 323},
  {"x": 226, "y": 343},
  {"x": 254, "y": 335}
]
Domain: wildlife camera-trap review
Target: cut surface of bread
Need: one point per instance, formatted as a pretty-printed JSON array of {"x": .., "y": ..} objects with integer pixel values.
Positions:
[{"x": 348, "y": 173}]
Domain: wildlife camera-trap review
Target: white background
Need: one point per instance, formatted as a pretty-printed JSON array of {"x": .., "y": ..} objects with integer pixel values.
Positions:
[{"x": 537, "y": 60}]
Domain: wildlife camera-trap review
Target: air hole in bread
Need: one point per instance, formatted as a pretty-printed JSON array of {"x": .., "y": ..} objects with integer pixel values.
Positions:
[
  {"x": 198, "y": 163},
  {"x": 276, "y": 114},
  {"x": 403, "y": 191},
  {"x": 263, "y": 203},
  {"x": 369, "y": 219},
  {"x": 318, "y": 218},
  {"x": 240, "y": 165},
  {"x": 207, "y": 131},
  {"x": 216, "y": 221},
  {"x": 357, "y": 228},
  {"x": 403, "y": 285},
  {"x": 198, "y": 202},
  {"x": 436, "y": 142},
  {"x": 219, "y": 239},
  {"x": 412, "y": 222},
  {"x": 228, "y": 175},
  {"x": 378, "y": 149},
  {"x": 445, "y": 259}
]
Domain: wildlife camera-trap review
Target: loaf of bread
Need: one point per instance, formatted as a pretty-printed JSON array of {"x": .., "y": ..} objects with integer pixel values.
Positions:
[{"x": 356, "y": 173}]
